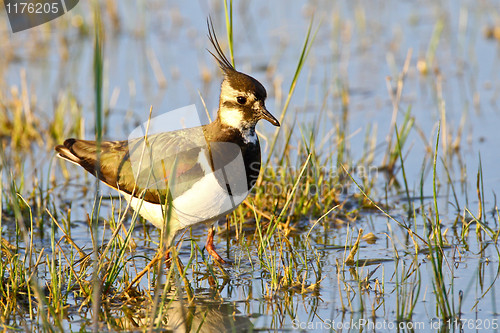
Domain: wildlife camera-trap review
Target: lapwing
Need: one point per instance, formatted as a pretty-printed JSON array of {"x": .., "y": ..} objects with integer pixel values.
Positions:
[{"x": 181, "y": 178}]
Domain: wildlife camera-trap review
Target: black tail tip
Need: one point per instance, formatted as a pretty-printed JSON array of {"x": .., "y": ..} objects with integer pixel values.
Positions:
[{"x": 69, "y": 142}]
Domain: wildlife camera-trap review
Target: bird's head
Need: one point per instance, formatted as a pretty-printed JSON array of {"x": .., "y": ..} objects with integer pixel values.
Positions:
[{"x": 242, "y": 98}]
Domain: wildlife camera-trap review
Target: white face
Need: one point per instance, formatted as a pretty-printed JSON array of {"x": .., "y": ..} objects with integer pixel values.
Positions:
[
  {"x": 231, "y": 112},
  {"x": 232, "y": 118}
]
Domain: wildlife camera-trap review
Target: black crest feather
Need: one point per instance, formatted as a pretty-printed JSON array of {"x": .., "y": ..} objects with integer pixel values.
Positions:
[{"x": 221, "y": 58}]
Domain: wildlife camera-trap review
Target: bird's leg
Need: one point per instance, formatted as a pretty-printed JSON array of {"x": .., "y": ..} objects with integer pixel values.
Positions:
[
  {"x": 168, "y": 260},
  {"x": 210, "y": 246}
]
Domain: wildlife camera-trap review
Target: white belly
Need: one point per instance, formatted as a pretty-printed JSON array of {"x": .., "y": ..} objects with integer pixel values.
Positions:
[{"x": 206, "y": 201}]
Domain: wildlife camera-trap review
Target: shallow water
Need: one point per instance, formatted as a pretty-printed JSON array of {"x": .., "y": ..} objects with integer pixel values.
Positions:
[{"x": 360, "y": 46}]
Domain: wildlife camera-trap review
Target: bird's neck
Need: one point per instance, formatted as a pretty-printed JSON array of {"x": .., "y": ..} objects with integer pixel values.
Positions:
[
  {"x": 245, "y": 138},
  {"x": 245, "y": 131}
]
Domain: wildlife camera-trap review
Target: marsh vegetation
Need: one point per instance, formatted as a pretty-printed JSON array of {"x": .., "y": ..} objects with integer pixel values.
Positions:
[{"x": 377, "y": 199}]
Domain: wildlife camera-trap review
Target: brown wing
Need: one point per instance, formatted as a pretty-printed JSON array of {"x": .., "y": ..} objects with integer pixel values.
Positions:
[{"x": 126, "y": 166}]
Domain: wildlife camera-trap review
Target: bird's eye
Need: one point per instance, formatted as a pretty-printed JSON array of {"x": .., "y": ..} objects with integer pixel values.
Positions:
[{"x": 242, "y": 100}]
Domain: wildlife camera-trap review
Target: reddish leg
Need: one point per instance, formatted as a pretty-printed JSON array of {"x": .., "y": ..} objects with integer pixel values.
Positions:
[
  {"x": 210, "y": 246},
  {"x": 168, "y": 260}
]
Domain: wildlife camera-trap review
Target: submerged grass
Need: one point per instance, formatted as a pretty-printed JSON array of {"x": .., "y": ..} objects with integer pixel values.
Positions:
[{"x": 309, "y": 203}]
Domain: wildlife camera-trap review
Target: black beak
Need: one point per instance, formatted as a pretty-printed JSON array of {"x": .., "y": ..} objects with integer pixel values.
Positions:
[{"x": 268, "y": 116}]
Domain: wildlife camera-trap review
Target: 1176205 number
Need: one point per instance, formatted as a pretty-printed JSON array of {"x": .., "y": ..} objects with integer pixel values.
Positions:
[{"x": 32, "y": 8}]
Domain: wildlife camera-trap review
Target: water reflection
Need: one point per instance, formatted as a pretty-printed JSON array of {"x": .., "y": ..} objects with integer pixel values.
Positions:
[{"x": 206, "y": 315}]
